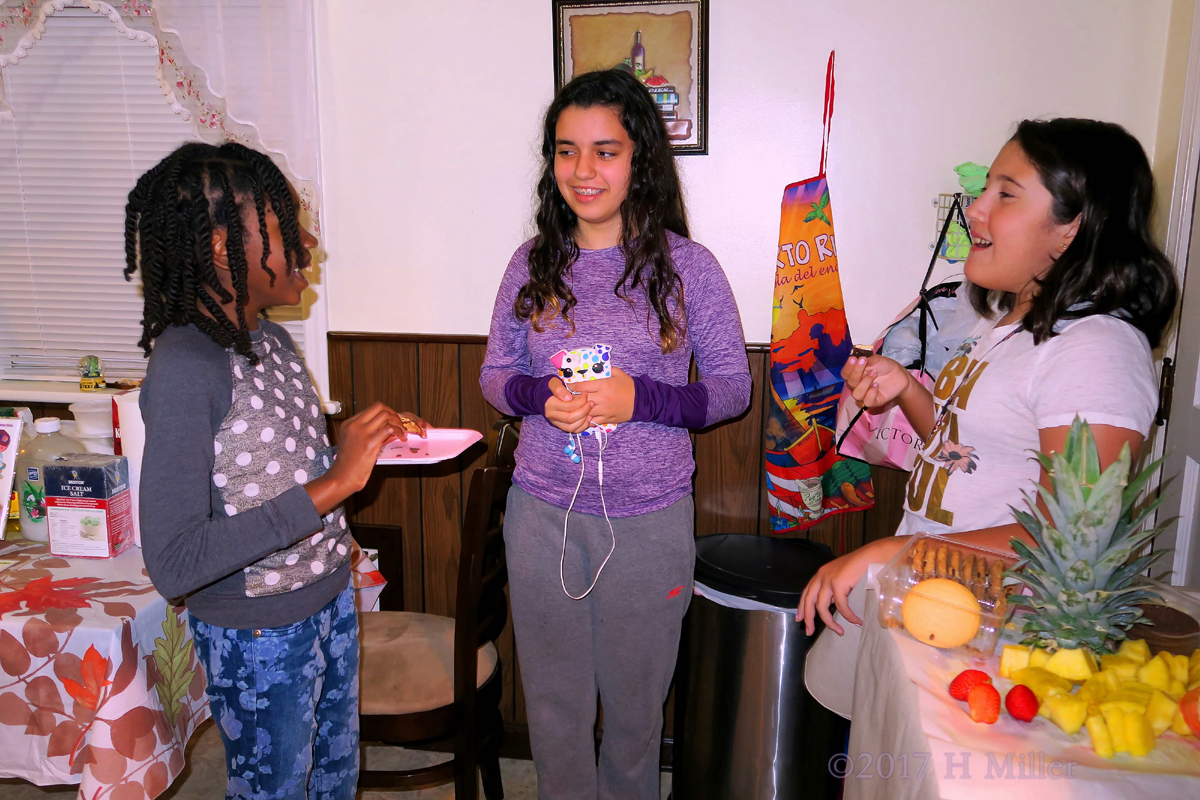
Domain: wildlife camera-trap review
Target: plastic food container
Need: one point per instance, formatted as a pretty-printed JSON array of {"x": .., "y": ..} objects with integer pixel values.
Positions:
[
  {"x": 92, "y": 443},
  {"x": 93, "y": 417},
  {"x": 978, "y": 569}
]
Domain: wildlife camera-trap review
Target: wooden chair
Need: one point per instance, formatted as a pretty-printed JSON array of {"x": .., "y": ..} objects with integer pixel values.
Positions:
[
  {"x": 427, "y": 679},
  {"x": 502, "y": 442}
]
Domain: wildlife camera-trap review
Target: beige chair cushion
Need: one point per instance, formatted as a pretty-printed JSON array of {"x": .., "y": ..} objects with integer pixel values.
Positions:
[{"x": 408, "y": 662}]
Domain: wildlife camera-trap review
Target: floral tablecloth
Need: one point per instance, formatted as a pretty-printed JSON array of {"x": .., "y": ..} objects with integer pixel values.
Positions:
[{"x": 99, "y": 683}]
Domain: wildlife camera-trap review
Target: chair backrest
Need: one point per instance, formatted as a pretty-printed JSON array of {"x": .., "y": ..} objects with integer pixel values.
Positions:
[
  {"x": 482, "y": 607},
  {"x": 502, "y": 442}
]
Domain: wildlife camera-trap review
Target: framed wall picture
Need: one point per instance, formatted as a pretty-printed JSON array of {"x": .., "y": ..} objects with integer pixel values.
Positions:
[{"x": 663, "y": 44}]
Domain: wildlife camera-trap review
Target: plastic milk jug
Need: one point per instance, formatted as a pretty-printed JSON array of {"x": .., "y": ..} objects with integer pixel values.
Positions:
[{"x": 30, "y": 480}]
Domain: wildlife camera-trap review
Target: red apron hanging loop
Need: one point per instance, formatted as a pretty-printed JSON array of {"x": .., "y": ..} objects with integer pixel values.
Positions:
[{"x": 827, "y": 115}]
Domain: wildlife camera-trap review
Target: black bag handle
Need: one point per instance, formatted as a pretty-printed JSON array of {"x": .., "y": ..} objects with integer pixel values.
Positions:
[{"x": 926, "y": 311}]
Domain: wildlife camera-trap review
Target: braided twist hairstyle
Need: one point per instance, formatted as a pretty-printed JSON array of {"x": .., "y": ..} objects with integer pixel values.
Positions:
[{"x": 169, "y": 221}]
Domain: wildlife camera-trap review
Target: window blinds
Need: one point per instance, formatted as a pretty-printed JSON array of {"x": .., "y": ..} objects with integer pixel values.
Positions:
[{"x": 89, "y": 118}]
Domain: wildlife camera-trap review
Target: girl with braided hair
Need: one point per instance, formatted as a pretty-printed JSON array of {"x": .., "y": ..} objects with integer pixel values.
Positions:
[{"x": 241, "y": 499}]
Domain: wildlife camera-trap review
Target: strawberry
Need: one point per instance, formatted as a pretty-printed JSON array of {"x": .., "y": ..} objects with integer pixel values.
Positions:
[
  {"x": 1021, "y": 703},
  {"x": 1189, "y": 707},
  {"x": 983, "y": 703},
  {"x": 966, "y": 680}
]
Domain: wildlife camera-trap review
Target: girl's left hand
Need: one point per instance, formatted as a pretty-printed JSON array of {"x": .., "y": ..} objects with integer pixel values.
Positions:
[{"x": 613, "y": 397}]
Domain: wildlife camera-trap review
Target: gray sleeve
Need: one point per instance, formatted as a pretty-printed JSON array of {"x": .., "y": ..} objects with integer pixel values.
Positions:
[{"x": 188, "y": 543}]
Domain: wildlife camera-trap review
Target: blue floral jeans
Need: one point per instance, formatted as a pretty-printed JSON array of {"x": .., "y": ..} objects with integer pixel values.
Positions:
[{"x": 286, "y": 703}]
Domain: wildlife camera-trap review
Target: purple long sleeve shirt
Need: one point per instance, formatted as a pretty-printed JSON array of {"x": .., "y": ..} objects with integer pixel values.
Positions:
[{"x": 648, "y": 465}]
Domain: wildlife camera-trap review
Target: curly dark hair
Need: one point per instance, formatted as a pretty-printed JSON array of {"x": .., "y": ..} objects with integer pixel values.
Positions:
[
  {"x": 169, "y": 221},
  {"x": 653, "y": 206},
  {"x": 1098, "y": 172}
]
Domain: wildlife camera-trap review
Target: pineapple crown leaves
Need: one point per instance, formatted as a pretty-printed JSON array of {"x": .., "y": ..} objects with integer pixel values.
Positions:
[{"x": 1081, "y": 571}]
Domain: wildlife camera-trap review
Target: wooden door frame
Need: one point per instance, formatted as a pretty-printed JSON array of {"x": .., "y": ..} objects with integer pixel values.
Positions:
[{"x": 1180, "y": 229}]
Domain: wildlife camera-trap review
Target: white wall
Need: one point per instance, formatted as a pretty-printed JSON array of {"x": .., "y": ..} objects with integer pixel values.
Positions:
[{"x": 430, "y": 114}]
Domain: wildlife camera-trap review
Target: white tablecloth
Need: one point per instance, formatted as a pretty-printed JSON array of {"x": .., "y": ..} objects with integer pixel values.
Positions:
[{"x": 906, "y": 726}]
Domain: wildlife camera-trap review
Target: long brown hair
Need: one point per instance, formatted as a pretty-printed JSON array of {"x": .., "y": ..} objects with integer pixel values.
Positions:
[{"x": 653, "y": 206}]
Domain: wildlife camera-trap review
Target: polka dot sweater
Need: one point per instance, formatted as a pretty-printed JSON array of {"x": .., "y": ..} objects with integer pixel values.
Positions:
[
  {"x": 227, "y": 526},
  {"x": 272, "y": 439}
]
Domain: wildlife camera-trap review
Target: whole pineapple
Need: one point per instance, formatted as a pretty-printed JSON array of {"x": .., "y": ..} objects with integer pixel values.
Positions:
[{"x": 1081, "y": 572}]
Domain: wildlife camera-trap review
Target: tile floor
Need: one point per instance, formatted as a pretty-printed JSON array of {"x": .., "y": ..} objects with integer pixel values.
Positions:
[{"x": 204, "y": 776}]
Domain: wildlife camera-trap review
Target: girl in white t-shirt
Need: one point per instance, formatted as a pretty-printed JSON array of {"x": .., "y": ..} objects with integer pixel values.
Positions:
[{"x": 1074, "y": 294}]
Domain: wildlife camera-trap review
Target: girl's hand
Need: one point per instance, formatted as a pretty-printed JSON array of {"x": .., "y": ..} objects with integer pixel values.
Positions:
[
  {"x": 833, "y": 582},
  {"x": 612, "y": 398},
  {"x": 876, "y": 381},
  {"x": 360, "y": 440},
  {"x": 566, "y": 411}
]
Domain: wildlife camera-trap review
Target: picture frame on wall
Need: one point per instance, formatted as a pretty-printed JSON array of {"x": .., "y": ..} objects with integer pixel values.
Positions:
[{"x": 663, "y": 43}]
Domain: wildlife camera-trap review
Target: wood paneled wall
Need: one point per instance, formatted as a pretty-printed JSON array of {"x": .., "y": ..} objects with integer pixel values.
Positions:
[{"x": 437, "y": 377}]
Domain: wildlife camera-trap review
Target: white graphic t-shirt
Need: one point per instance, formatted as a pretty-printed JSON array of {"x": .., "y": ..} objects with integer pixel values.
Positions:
[{"x": 1002, "y": 390}]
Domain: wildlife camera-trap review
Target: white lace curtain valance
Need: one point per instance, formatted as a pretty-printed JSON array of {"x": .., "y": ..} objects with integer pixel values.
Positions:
[{"x": 240, "y": 70}]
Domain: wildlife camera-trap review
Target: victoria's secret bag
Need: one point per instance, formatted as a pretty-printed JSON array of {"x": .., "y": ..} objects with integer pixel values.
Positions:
[{"x": 886, "y": 438}]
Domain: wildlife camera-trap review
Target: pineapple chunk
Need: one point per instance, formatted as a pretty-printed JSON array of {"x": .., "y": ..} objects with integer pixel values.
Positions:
[
  {"x": 1038, "y": 657},
  {"x": 1160, "y": 713},
  {"x": 1179, "y": 667},
  {"x": 1113, "y": 679},
  {"x": 1139, "y": 736},
  {"x": 1013, "y": 658},
  {"x": 1193, "y": 671},
  {"x": 1155, "y": 673},
  {"x": 1074, "y": 664},
  {"x": 1067, "y": 711},
  {"x": 1101, "y": 740},
  {"x": 1135, "y": 650},
  {"x": 1120, "y": 665},
  {"x": 1179, "y": 725},
  {"x": 1095, "y": 689},
  {"x": 1137, "y": 687},
  {"x": 1114, "y": 720},
  {"x": 1177, "y": 691},
  {"x": 1193, "y": 685},
  {"x": 1167, "y": 659},
  {"x": 1195, "y": 659},
  {"x": 1042, "y": 682},
  {"x": 1133, "y": 704}
]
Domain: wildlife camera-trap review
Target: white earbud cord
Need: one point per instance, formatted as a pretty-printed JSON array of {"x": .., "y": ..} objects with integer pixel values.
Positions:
[{"x": 602, "y": 440}]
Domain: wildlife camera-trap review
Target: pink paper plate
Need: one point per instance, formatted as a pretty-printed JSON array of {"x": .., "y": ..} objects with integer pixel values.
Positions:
[{"x": 441, "y": 444}]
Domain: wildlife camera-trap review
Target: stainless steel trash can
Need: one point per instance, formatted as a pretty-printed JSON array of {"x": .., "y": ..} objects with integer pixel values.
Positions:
[{"x": 745, "y": 726}]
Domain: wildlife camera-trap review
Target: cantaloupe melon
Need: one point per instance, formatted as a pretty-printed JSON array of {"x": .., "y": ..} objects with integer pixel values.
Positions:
[{"x": 941, "y": 613}]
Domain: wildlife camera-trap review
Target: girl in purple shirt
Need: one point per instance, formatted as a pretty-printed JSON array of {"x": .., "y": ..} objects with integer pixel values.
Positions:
[{"x": 599, "y": 525}]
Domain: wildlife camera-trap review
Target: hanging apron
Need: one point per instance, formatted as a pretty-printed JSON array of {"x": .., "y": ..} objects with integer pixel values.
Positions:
[{"x": 807, "y": 480}]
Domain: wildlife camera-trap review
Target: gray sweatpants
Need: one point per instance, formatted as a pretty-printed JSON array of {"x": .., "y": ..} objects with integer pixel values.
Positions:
[{"x": 621, "y": 641}]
